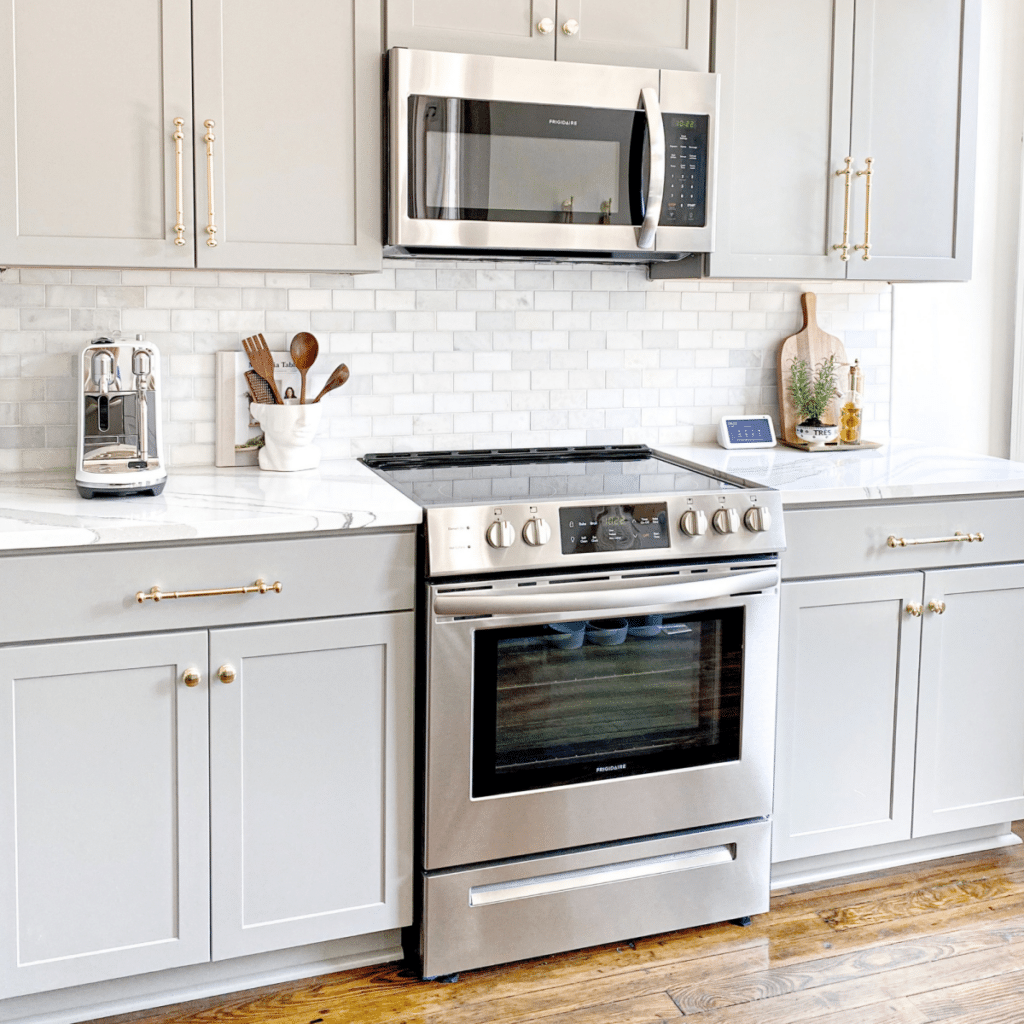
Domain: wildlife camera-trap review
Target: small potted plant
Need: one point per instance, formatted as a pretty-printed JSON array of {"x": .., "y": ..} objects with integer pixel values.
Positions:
[{"x": 812, "y": 392}]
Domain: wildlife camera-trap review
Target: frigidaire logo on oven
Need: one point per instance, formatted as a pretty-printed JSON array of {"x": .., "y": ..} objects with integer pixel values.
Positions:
[
  {"x": 558, "y": 120},
  {"x": 610, "y": 768}
]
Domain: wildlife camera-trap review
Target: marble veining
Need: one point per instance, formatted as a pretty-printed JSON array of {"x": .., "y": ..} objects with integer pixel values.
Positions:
[
  {"x": 900, "y": 469},
  {"x": 43, "y": 509}
]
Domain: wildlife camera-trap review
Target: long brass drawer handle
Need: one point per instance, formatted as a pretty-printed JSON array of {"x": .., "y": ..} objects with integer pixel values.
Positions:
[
  {"x": 211, "y": 226},
  {"x": 957, "y": 538},
  {"x": 844, "y": 245},
  {"x": 867, "y": 172},
  {"x": 179, "y": 203},
  {"x": 156, "y": 594}
]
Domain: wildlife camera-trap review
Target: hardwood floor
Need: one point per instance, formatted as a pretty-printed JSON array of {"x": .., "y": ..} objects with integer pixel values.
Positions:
[{"x": 940, "y": 942}]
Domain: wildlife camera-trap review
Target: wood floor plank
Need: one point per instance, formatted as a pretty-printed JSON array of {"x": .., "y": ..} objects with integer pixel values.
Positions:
[
  {"x": 954, "y": 1002},
  {"x": 770, "y": 998}
]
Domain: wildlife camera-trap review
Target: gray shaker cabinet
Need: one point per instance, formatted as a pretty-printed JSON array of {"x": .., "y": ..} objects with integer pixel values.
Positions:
[
  {"x": 88, "y": 97},
  {"x": 287, "y": 175},
  {"x": 808, "y": 83},
  {"x": 644, "y": 33},
  {"x": 291, "y": 179}
]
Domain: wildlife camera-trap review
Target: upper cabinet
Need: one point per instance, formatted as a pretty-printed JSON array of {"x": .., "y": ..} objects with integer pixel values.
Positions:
[
  {"x": 110, "y": 110},
  {"x": 848, "y": 138},
  {"x": 644, "y": 33}
]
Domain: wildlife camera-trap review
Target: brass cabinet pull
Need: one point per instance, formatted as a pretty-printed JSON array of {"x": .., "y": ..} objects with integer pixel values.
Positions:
[
  {"x": 958, "y": 538},
  {"x": 179, "y": 200},
  {"x": 156, "y": 594},
  {"x": 936, "y": 606},
  {"x": 545, "y": 26},
  {"x": 913, "y": 608},
  {"x": 190, "y": 677},
  {"x": 211, "y": 225},
  {"x": 866, "y": 173},
  {"x": 226, "y": 673},
  {"x": 844, "y": 245}
]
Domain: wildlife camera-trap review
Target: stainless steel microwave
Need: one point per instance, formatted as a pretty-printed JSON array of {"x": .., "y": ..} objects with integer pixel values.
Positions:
[{"x": 504, "y": 156}]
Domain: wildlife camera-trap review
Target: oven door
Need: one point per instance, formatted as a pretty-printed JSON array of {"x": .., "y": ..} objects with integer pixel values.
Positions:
[
  {"x": 655, "y": 716},
  {"x": 504, "y": 153}
]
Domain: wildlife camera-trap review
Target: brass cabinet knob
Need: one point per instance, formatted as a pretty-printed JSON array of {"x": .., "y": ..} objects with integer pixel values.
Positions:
[
  {"x": 226, "y": 673},
  {"x": 571, "y": 27},
  {"x": 545, "y": 26},
  {"x": 191, "y": 677},
  {"x": 936, "y": 606},
  {"x": 913, "y": 608}
]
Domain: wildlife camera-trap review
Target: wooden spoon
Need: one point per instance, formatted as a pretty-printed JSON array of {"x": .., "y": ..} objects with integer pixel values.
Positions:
[
  {"x": 338, "y": 377},
  {"x": 304, "y": 349}
]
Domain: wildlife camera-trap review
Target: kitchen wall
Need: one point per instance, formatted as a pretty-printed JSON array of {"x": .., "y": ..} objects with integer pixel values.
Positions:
[{"x": 442, "y": 355}]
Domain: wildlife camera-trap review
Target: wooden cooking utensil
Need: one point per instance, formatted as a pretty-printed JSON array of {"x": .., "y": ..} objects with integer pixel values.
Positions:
[
  {"x": 304, "y": 349},
  {"x": 814, "y": 345},
  {"x": 338, "y": 377},
  {"x": 262, "y": 361},
  {"x": 259, "y": 389}
]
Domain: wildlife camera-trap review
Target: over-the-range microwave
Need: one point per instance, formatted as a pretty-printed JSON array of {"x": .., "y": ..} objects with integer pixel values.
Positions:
[{"x": 501, "y": 156}]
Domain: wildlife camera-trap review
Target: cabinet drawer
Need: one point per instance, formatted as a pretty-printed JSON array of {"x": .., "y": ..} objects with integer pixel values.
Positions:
[
  {"x": 92, "y": 593},
  {"x": 852, "y": 539}
]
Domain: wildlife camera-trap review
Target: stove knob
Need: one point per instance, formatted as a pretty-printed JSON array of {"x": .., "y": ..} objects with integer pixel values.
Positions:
[
  {"x": 726, "y": 520},
  {"x": 694, "y": 523},
  {"x": 501, "y": 534},
  {"x": 757, "y": 519},
  {"x": 536, "y": 532}
]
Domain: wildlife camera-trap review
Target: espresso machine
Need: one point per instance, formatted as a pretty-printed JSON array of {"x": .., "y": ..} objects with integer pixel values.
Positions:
[{"x": 120, "y": 445}]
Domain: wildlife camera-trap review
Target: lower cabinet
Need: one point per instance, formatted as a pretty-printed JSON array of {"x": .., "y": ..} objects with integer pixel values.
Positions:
[
  {"x": 900, "y": 709},
  {"x": 177, "y": 797}
]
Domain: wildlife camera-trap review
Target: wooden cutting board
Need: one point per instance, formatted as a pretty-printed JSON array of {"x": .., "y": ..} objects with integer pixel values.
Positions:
[{"x": 814, "y": 345}]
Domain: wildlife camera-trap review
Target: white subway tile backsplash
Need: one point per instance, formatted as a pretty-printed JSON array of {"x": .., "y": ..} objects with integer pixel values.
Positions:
[{"x": 443, "y": 355}]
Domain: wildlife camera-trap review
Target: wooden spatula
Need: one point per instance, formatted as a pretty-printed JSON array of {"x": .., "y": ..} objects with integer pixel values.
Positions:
[{"x": 338, "y": 377}]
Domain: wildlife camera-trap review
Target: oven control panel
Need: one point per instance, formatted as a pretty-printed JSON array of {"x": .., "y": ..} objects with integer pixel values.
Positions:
[{"x": 523, "y": 536}]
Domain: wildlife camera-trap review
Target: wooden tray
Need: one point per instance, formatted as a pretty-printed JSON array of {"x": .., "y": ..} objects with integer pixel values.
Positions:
[{"x": 814, "y": 345}]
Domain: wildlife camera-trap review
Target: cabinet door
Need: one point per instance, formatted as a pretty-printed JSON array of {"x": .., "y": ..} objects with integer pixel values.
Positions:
[
  {"x": 311, "y": 781},
  {"x": 643, "y": 33},
  {"x": 293, "y": 151},
  {"x": 970, "y": 731},
  {"x": 104, "y": 835},
  {"x": 785, "y": 122},
  {"x": 915, "y": 102},
  {"x": 88, "y": 97},
  {"x": 503, "y": 28},
  {"x": 844, "y": 764}
]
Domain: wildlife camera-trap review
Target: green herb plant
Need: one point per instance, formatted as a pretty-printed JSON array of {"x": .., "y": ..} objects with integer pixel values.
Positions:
[{"x": 812, "y": 391}]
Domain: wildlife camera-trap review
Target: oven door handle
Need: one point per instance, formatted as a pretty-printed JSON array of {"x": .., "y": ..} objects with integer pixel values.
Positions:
[{"x": 554, "y": 600}]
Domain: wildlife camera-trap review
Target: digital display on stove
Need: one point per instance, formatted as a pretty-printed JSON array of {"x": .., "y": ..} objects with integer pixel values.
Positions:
[{"x": 593, "y": 528}]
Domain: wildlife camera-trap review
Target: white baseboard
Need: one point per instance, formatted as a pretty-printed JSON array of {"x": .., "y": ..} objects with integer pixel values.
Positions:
[
  {"x": 200, "y": 981},
  {"x": 891, "y": 855}
]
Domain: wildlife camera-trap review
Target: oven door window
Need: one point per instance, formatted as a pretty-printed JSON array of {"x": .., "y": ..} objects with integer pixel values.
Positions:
[
  {"x": 530, "y": 162},
  {"x": 549, "y": 710}
]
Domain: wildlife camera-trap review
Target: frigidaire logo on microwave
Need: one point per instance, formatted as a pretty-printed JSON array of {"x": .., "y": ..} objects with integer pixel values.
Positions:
[
  {"x": 558, "y": 120},
  {"x": 610, "y": 768}
]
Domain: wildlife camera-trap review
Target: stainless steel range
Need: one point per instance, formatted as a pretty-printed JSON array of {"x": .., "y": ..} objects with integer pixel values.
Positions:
[{"x": 600, "y": 630}]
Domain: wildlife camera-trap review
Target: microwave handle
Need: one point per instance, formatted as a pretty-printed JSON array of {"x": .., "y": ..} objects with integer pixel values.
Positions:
[
  {"x": 656, "y": 183},
  {"x": 598, "y": 599}
]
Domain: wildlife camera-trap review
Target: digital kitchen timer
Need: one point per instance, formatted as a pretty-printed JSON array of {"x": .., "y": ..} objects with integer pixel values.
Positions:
[{"x": 746, "y": 432}]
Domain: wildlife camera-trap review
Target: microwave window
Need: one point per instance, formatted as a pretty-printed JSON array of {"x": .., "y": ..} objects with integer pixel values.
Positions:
[
  {"x": 529, "y": 162},
  {"x": 501, "y": 172}
]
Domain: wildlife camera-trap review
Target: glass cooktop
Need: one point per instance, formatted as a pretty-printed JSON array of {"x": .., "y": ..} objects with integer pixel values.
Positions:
[{"x": 541, "y": 474}]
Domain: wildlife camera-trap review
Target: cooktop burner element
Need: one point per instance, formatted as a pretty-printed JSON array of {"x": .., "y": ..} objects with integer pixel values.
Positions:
[{"x": 525, "y": 508}]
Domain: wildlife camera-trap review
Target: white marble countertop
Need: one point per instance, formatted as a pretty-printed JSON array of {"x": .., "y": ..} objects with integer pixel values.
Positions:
[
  {"x": 43, "y": 509},
  {"x": 899, "y": 470}
]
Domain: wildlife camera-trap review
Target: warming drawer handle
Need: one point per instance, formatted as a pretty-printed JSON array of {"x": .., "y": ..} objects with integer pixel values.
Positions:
[
  {"x": 156, "y": 594},
  {"x": 597, "y": 599},
  {"x": 958, "y": 538},
  {"x": 656, "y": 183}
]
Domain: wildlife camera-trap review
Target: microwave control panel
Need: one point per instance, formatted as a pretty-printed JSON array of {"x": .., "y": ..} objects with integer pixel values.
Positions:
[{"x": 686, "y": 171}]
